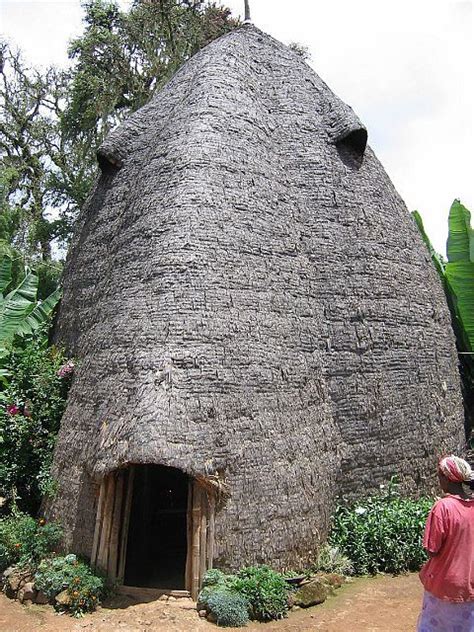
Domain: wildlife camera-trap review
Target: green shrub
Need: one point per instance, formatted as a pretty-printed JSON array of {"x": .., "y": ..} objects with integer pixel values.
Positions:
[
  {"x": 212, "y": 577},
  {"x": 84, "y": 588},
  {"x": 228, "y": 608},
  {"x": 331, "y": 560},
  {"x": 32, "y": 401},
  {"x": 382, "y": 533},
  {"x": 25, "y": 541},
  {"x": 265, "y": 590}
]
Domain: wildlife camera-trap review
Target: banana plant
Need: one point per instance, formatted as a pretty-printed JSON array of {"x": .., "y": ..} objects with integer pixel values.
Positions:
[
  {"x": 457, "y": 276},
  {"x": 21, "y": 313},
  {"x": 459, "y": 270}
]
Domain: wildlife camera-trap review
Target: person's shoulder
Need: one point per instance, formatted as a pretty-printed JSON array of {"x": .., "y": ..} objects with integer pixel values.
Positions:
[
  {"x": 450, "y": 501},
  {"x": 442, "y": 505}
]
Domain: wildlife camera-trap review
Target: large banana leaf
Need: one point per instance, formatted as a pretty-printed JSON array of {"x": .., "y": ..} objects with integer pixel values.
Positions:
[
  {"x": 460, "y": 246},
  {"x": 21, "y": 313},
  {"x": 5, "y": 274},
  {"x": 40, "y": 314},
  {"x": 460, "y": 270},
  {"x": 460, "y": 282},
  {"x": 16, "y": 306}
]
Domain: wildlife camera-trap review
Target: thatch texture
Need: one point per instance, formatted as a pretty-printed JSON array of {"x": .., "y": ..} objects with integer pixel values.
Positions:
[{"x": 247, "y": 293}]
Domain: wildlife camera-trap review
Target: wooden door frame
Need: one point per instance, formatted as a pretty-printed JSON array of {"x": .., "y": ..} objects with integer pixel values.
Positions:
[{"x": 109, "y": 548}]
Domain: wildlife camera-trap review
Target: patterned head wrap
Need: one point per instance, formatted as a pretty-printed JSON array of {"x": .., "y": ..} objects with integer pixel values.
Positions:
[{"x": 455, "y": 469}]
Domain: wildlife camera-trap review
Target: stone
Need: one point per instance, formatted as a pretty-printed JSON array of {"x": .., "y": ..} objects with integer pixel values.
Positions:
[
  {"x": 211, "y": 618},
  {"x": 311, "y": 594},
  {"x": 333, "y": 579},
  {"x": 41, "y": 599},
  {"x": 202, "y": 613},
  {"x": 27, "y": 592},
  {"x": 14, "y": 579},
  {"x": 63, "y": 598}
]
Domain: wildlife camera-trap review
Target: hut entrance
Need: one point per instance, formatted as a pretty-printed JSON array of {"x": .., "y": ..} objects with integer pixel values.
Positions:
[
  {"x": 154, "y": 529},
  {"x": 157, "y": 533}
]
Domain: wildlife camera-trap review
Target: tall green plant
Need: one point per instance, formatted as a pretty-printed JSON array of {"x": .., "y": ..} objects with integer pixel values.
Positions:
[
  {"x": 21, "y": 313},
  {"x": 460, "y": 270},
  {"x": 457, "y": 276}
]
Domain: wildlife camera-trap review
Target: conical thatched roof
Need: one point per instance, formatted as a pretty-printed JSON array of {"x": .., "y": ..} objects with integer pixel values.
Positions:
[{"x": 247, "y": 293}]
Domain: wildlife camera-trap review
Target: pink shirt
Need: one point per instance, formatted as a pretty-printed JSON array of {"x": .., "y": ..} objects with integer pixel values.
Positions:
[{"x": 449, "y": 533}]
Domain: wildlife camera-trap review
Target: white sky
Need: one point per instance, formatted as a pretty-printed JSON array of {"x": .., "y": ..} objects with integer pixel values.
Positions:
[{"x": 405, "y": 66}]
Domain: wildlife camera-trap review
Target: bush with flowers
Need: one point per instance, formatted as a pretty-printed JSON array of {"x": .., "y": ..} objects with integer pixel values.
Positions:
[
  {"x": 25, "y": 541},
  {"x": 84, "y": 589},
  {"x": 32, "y": 401}
]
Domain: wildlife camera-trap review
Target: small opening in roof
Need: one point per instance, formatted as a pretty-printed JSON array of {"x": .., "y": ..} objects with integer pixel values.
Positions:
[
  {"x": 108, "y": 163},
  {"x": 351, "y": 148}
]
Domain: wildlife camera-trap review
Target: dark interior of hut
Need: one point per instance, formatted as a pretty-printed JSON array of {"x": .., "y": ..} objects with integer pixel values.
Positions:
[{"x": 157, "y": 542}]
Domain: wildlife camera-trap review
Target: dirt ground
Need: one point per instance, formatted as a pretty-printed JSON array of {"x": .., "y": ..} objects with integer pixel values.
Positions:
[{"x": 381, "y": 604}]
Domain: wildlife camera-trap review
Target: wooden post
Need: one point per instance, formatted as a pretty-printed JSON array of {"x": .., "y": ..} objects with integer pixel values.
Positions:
[
  {"x": 210, "y": 530},
  {"x": 201, "y": 526},
  {"x": 113, "y": 545},
  {"x": 196, "y": 541},
  {"x": 103, "y": 549},
  {"x": 189, "y": 537},
  {"x": 203, "y": 536},
  {"x": 98, "y": 523},
  {"x": 125, "y": 523}
]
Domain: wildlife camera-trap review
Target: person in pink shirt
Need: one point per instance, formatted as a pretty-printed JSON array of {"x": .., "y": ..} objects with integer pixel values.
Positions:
[{"x": 448, "y": 575}]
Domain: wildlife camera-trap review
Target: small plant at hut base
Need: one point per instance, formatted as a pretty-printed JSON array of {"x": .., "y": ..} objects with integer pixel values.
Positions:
[
  {"x": 228, "y": 609},
  {"x": 330, "y": 559},
  {"x": 71, "y": 583},
  {"x": 383, "y": 532},
  {"x": 25, "y": 541},
  {"x": 213, "y": 577},
  {"x": 265, "y": 590}
]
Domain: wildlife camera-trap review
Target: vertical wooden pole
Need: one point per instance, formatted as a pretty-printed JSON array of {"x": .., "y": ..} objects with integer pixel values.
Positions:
[
  {"x": 189, "y": 537},
  {"x": 196, "y": 540},
  {"x": 102, "y": 556},
  {"x": 203, "y": 535},
  {"x": 125, "y": 520},
  {"x": 113, "y": 545},
  {"x": 210, "y": 531},
  {"x": 99, "y": 517}
]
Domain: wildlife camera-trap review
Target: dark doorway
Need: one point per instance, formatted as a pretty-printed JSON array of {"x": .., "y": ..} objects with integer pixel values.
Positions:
[{"x": 157, "y": 534}]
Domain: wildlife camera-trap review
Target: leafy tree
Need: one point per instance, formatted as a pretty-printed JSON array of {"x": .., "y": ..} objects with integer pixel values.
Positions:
[
  {"x": 52, "y": 121},
  {"x": 122, "y": 58}
]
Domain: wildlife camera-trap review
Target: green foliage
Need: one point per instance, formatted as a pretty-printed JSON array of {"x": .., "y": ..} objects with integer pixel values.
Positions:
[
  {"x": 228, "y": 608},
  {"x": 32, "y": 401},
  {"x": 123, "y": 57},
  {"x": 265, "y": 590},
  {"x": 213, "y": 577},
  {"x": 436, "y": 258},
  {"x": 460, "y": 270},
  {"x": 54, "y": 120},
  {"x": 85, "y": 589},
  {"x": 25, "y": 541},
  {"x": 331, "y": 560},
  {"x": 457, "y": 276},
  {"x": 21, "y": 314},
  {"x": 382, "y": 533}
]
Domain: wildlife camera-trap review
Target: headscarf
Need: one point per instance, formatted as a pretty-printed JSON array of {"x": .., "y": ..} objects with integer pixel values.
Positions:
[{"x": 455, "y": 469}]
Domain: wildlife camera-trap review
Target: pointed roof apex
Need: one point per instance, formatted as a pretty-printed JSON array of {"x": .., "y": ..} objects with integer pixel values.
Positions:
[{"x": 247, "y": 19}]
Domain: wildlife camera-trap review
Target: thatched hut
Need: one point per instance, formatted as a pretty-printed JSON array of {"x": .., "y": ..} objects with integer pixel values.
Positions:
[{"x": 257, "y": 325}]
